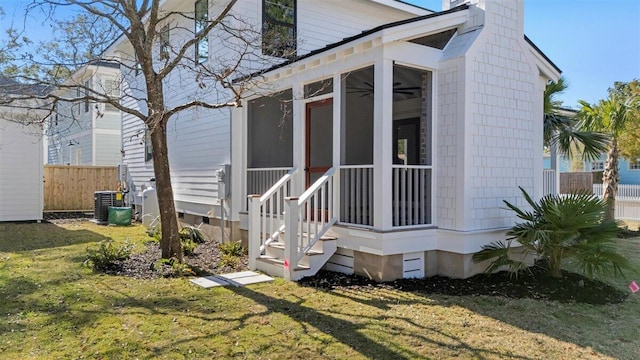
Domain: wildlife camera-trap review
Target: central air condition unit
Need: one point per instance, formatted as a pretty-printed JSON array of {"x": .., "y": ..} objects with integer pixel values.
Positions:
[{"x": 102, "y": 200}]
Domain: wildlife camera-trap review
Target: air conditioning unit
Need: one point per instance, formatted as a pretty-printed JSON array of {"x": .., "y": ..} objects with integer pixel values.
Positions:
[{"x": 102, "y": 200}]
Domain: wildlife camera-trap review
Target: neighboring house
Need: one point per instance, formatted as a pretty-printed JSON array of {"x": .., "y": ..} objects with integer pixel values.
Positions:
[
  {"x": 628, "y": 170},
  {"x": 407, "y": 128},
  {"x": 21, "y": 154},
  {"x": 87, "y": 133}
]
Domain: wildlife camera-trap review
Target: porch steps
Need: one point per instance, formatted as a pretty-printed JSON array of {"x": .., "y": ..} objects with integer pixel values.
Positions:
[{"x": 272, "y": 262}]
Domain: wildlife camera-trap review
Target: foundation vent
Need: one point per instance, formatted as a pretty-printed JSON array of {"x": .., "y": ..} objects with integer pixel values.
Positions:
[{"x": 413, "y": 265}]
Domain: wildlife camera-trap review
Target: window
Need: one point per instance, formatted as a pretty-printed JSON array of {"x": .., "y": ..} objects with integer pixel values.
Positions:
[
  {"x": 597, "y": 165},
  {"x": 148, "y": 149},
  {"x": 87, "y": 85},
  {"x": 201, "y": 22},
  {"x": 279, "y": 28},
  {"x": 318, "y": 88},
  {"x": 634, "y": 164},
  {"x": 165, "y": 42},
  {"x": 111, "y": 87}
]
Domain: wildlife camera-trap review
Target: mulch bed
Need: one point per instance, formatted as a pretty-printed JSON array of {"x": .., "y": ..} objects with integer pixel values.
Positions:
[
  {"x": 204, "y": 261},
  {"x": 534, "y": 284},
  {"x": 571, "y": 287}
]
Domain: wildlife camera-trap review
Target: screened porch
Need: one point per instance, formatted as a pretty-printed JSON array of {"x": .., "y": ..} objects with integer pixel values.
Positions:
[{"x": 330, "y": 126}]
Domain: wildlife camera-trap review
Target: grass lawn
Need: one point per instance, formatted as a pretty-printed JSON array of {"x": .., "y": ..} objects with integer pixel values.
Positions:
[{"x": 52, "y": 307}]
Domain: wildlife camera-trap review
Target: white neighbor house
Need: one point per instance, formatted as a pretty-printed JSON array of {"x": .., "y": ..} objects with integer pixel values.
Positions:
[
  {"x": 86, "y": 133},
  {"x": 395, "y": 131},
  {"x": 21, "y": 155}
]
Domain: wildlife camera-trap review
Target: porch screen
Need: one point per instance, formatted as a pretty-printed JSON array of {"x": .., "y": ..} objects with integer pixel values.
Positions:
[
  {"x": 270, "y": 131},
  {"x": 357, "y": 118}
]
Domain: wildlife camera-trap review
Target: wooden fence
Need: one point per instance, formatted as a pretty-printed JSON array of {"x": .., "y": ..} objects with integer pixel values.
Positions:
[
  {"x": 572, "y": 182},
  {"x": 71, "y": 188}
]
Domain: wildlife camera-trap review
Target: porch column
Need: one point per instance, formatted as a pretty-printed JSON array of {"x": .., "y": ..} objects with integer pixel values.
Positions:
[
  {"x": 239, "y": 161},
  {"x": 297, "y": 183},
  {"x": 382, "y": 138},
  {"x": 337, "y": 142}
]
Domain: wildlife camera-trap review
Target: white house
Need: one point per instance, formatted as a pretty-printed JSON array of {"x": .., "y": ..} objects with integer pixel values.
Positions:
[
  {"x": 384, "y": 148},
  {"x": 86, "y": 133},
  {"x": 21, "y": 155}
]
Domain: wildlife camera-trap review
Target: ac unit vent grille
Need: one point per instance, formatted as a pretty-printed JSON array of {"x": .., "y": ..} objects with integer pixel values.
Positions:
[{"x": 102, "y": 201}]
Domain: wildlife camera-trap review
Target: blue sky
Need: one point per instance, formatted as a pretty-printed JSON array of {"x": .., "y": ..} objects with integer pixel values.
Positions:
[{"x": 594, "y": 42}]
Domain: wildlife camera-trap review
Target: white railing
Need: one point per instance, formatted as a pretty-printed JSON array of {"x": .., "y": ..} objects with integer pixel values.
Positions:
[
  {"x": 307, "y": 219},
  {"x": 356, "y": 194},
  {"x": 259, "y": 180},
  {"x": 549, "y": 182},
  {"x": 266, "y": 216},
  {"x": 411, "y": 195},
  {"x": 626, "y": 192},
  {"x": 627, "y": 209}
]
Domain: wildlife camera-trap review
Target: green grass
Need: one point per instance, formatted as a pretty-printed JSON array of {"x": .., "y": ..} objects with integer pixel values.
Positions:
[{"x": 52, "y": 307}]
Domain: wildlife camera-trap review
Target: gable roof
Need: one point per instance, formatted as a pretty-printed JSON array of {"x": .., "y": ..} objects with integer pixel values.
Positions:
[
  {"x": 353, "y": 38},
  {"x": 9, "y": 86},
  {"x": 537, "y": 49}
]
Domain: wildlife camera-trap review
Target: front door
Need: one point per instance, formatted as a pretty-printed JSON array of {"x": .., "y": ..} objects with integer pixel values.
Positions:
[{"x": 319, "y": 139}]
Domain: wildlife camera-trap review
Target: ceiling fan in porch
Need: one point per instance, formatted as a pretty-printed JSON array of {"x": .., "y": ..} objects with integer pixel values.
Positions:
[{"x": 367, "y": 89}]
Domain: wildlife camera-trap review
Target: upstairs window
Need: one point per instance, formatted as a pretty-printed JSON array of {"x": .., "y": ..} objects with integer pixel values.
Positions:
[
  {"x": 279, "y": 28},
  {"x": 634, "y": 165},
  {"x": 201, "y": 21},
  {"x": 597, "y": 165}
]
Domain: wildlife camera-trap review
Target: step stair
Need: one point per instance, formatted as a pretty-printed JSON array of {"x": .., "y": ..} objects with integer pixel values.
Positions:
[{"x": 272, "y": 262}]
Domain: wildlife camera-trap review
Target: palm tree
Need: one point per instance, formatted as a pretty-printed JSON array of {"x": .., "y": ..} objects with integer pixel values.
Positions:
[
  {"x": 564, "y": 132},
  {"x": 611, "y": 116},
  {"x": 556, "y": 228}
]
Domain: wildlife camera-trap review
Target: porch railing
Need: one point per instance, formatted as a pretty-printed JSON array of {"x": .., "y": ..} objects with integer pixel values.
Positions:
[
  {"x": 549, "y": 182},
  {"x": 307, "y": 219},
  {"x": 356, "y": 194},
  {"x": 411, "y": 195},
  {"x": 266, "y": 216},
  {"x": 260, "y": 180}
]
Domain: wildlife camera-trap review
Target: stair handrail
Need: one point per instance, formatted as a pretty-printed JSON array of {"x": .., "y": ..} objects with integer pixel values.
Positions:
[
  {"x": 300, "y": 221},
  {"x": 262, "y": 233}
]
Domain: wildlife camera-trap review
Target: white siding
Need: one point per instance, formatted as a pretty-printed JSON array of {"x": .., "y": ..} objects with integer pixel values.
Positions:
[
  {"x": 107, "y": 148},
  {"x": 76, "y": 126},
  {"x": 21, "y": 171},
  {"x": 200, "y": 140}
]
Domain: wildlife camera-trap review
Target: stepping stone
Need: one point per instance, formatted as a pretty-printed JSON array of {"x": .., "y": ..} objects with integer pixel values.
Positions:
[{"x": 237, "y": 279}]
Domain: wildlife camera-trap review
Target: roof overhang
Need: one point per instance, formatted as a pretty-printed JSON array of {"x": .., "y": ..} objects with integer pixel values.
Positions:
[
  {"x": 384, "y": 34},
  {"x": 404, "y": 6},
  {"x": 544, "y": 64}
]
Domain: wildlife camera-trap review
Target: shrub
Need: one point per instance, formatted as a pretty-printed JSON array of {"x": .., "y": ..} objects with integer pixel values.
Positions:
[
  {"x": 188, "y": 246},
  {"x": 192, "y": 233},
  {"x": 228, "y": 260},
  {"x": 107, "y": 254},
  {"x": 232, "y": 249},
  {"x": 172, "y": 267},
  {"x": 557, "y": 228}
]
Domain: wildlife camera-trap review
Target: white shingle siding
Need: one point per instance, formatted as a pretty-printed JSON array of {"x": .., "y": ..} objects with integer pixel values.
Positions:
[
  {"x": 21, "y": 172},
  {"x": 500, "y": 128}
]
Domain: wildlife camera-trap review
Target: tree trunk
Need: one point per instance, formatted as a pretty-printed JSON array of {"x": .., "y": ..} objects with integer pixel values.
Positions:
[
  {"x": 170, "y": 241},
  {"x": 610, "y": 179}
]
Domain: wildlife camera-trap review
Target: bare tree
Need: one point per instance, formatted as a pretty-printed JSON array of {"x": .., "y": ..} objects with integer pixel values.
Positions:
[{"x": 156, "y": 44}]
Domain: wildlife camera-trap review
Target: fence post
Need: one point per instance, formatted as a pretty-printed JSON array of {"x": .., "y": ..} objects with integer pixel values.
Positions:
[
  {"x": 255, "y": 234},
  {"x": 291, "y": 209}
]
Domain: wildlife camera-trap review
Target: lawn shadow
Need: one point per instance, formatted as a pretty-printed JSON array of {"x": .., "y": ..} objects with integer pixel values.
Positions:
[
  {"x": 19, "y": 237},
  {"x": 501, "y": 306},
  {"x": 353, "y": 334}
]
